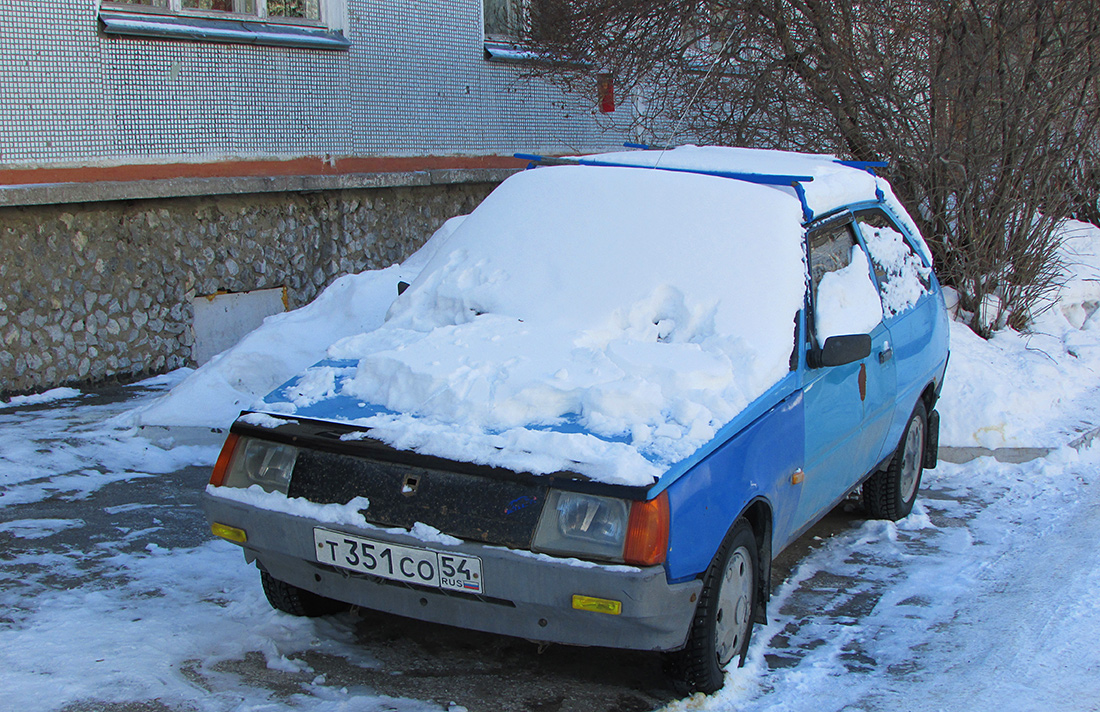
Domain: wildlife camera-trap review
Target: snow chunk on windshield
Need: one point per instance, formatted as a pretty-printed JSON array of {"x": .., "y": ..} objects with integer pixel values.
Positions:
[{"x": 605, "y": 321}]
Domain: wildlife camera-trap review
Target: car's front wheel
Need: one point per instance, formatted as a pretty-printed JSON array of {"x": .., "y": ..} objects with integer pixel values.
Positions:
[
  {"x": 724, "y": 616},
  {"x": 298, "y": 601},
  {"x": 890, "y": 493}
]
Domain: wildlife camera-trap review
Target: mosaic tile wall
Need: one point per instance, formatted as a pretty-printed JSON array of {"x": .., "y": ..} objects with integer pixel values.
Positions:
[{"x": 415, "y": 81}]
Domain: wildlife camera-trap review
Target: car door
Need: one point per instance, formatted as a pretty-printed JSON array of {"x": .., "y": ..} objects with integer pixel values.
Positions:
[
  {"x": 841, "y": 445},
  {"x": 910, "y": 311}
]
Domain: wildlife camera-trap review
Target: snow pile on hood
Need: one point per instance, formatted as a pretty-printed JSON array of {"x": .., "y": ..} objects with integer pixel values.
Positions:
[
  {"x": 606, "y": 321},
  {"x": 235, "y": 380}
]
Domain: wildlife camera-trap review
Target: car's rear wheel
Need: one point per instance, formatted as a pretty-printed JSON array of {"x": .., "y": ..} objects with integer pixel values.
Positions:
[
  {"x": 724, "y": 616},
  {"x": 890, "y": 493},
  {"x": 298, "y": 601}
]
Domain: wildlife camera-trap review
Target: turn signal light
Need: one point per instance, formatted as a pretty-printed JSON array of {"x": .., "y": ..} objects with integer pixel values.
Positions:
[
  {"x": 597, "y": 605},
  {"x": 227, "y": 532},
  {"x": 217, "y": 478},
  {"x": 647, "y": 532}
]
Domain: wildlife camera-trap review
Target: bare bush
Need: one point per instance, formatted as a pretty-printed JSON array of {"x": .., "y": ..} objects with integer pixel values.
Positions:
[{"x": 987, "y": 110}]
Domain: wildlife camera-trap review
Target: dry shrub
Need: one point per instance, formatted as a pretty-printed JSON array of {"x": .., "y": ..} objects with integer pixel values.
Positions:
[{"x": 987, "y": 110}]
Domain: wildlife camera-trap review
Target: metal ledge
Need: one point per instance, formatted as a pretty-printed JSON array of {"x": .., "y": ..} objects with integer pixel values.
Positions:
[
  {"x": 213, "y": 30},
  {"x": 103, "y": 191},
  {"x": 508, "y": 52}
]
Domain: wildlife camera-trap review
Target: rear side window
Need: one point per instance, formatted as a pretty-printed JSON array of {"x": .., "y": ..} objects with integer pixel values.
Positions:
[{"x": 902, "y": 276}]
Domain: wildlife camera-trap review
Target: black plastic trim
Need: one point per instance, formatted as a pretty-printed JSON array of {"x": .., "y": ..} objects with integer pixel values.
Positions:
[{"x": 326, "y": 436}]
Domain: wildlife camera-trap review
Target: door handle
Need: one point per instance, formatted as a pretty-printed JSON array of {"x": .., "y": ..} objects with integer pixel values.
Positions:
[{"x": 885, "y": 355}]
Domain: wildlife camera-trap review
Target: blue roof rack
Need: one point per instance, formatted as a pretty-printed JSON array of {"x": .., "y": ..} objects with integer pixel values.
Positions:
[
  {"x": 870, "y": 167},
  {"x": 647, "y": 146},
  {"x": 790, "y": 181}
]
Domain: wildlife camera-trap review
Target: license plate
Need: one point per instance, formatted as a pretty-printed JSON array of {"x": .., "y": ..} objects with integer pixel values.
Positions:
[{"x": 439, "y": 569}]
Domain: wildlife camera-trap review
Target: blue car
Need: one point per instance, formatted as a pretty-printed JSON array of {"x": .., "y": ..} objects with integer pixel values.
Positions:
[{"x": 615, "y": 392}]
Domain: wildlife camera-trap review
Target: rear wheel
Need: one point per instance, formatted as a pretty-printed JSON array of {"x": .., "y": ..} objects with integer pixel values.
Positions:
[
  {"x": 890, "y": 493},
  {"x": 724, "y": 617},
  {"x": 298, "y": 601}
]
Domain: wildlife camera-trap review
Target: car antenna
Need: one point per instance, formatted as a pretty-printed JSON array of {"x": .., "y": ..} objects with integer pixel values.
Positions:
[{"x": 698, "y": 89}]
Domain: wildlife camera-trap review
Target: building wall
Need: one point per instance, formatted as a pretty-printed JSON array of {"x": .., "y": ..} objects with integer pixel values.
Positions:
[
  {"x": 415, "y": 81},
  {"x": 125, "y": 140},
  {"x": 90, "y": 291}
]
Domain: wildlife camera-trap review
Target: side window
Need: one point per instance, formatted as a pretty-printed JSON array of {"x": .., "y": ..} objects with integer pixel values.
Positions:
[
  {"x": 902, "y": 276},
  {"x": 844, "y": 297},
  {"x": 830, "y": 250}
]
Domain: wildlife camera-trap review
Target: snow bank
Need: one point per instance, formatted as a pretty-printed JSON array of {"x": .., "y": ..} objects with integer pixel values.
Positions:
[
  {"x": 49, "y": 396},
  {"x": 1035, "y": 389}
]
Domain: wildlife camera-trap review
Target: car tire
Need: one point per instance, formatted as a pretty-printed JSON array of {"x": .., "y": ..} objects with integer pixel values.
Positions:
[
  {"x": 297, "y": 601},
  {"x": 724, "y": 616},
  {"x": 890, "y": 493}
]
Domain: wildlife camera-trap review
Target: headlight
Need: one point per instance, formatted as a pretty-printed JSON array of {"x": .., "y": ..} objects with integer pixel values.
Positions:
[
  {"x": 263, "y": 463},
  {"x": 582, "y": 524}
]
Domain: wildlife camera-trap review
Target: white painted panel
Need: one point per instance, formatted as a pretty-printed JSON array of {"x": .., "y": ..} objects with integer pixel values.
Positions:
[{"x": 221, "y": 320}]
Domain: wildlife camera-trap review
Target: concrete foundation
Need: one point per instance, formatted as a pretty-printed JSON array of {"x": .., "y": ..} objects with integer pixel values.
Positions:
[{"x": 98, "y": 290}]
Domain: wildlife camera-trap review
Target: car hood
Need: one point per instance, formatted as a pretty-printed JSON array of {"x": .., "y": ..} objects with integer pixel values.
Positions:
[{"x": 595, "y": 320}]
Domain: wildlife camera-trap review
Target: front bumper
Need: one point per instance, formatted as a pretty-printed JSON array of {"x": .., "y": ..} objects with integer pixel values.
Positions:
[{"x": 527, "y": 596}]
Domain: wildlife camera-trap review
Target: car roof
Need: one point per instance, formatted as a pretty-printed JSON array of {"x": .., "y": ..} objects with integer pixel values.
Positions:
[
  {"x": 828, "y": 183},
  {"x": 823, "y": 183}
]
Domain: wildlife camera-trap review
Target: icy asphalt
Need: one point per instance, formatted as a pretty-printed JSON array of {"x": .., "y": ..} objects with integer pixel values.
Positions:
[{"x": 113, "y": 596}]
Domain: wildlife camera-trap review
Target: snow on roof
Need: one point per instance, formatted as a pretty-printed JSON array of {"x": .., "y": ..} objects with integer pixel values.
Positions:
[
  {"x": 605, "y": 321},
  {"x": 834, "y": 184}
]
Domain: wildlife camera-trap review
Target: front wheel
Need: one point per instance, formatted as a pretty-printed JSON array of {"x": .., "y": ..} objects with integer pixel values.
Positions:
[
  {"x": 724, "y": 617},
  {"x": 298, "y": 601},
  {"x": 890, "y": 493}
]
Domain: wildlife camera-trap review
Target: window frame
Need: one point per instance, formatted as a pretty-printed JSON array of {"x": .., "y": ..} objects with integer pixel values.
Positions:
[
  {"x": 867, "y": 216},
  {"x": 177, "y": 22},
  {"x": 510, "y": 48}
]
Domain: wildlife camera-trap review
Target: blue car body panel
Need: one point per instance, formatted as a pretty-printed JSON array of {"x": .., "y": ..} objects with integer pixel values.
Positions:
[
  {"x": 711, "y": 495},
  {"x": 821, "y": 421}
]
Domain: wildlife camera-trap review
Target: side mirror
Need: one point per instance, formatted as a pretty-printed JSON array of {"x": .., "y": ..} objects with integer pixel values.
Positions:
[{"x": 839, "y": 350}]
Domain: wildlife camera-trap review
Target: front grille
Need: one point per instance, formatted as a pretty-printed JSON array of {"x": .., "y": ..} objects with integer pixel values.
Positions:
[{"x": 469, "y": 506}]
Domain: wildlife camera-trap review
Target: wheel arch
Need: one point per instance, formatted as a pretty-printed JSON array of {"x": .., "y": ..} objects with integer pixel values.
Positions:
[
  {"x": 929, "y": 395},
  {"x": 758, "y": 513}
]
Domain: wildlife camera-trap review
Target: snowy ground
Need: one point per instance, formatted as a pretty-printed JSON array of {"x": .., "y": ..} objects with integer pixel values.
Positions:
[{"x": 114, "y": 597}]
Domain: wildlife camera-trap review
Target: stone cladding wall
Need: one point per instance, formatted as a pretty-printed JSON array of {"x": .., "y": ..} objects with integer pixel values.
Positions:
[{"x": 95, "y": 291}]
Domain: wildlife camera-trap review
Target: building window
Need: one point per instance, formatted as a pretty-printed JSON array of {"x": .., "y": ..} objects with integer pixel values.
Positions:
[
  {"x": 309, "y": 10},
  {"x": 504, "y": 18},
  {"x": 297, "y": 23}
]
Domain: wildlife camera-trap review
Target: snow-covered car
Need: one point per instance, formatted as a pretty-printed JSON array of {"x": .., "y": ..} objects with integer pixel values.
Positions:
[{"x": 616, "y": 391}]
